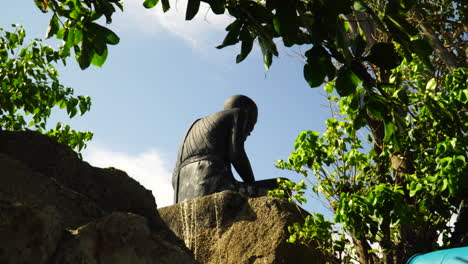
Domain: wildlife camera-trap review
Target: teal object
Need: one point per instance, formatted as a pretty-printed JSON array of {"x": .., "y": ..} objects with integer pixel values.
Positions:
[{"x": 446, "y": 256}]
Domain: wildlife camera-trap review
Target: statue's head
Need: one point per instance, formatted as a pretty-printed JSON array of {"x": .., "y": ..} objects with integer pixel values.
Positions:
[{"x": 247, "y": 105}]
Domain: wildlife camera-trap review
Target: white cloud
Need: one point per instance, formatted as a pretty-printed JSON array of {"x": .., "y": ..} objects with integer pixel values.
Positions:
[
  {"x": 205, "y": 29},
  {"x": 148, "y": 168}
]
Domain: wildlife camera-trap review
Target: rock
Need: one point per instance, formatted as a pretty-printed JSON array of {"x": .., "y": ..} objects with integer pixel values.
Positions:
[
  {"x": 56, "y": 208},
  {"x": 28, "y": 235},
  {"x": 229, "y": 228},
  {"x": 57, "y": 161},
  {"x": 53, "y": 186},
  {"x": 119, "y": 238},
  {"x": 19, "y": 184}
]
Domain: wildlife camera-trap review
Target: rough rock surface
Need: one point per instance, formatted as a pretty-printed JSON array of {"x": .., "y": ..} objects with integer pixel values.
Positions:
[
  {"x": 45, "y": 190},
  {"x": 229, "y": 228},
  {"x": 58, "y": 162},
  {"x": 118, "y": 239},
  {"x": 20, "y": 184},
  {"x": 56, "y": 208},
  {"x": 28, "y": 235}
]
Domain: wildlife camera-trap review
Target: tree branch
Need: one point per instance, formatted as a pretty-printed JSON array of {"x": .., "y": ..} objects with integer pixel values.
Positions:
[
  {"x": 362, "y": 249},
  {"x": 446, "y": 56}
]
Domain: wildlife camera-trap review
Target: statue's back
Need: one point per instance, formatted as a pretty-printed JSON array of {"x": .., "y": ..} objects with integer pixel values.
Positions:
[{"x": 203, "y": 166}]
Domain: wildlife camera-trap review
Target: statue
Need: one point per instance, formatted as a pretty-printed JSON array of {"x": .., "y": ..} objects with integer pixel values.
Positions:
[{"x": 209, "y": 148}]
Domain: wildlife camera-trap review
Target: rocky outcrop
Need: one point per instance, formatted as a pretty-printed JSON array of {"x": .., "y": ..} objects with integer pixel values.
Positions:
[
  {"x": 119, "y": 238},
  {"x": 35, "y": 235},
  {"x": 20, "y": 184},
  {"x": 230, "y": 228},
  {"x": 55, "y": 208},
  {"x": 111, "y": 189},
  {"x": 28, "y": 234}
]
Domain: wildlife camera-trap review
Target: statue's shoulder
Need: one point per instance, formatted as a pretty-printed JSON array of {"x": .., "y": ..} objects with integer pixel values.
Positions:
[{"x": 224, "y": 115}]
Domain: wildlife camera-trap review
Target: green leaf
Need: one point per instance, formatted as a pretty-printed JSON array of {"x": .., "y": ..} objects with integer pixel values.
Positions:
[
  {"x": 318, "y": 66},
  {"x": 346, "y": 82},
  {"x": 418, "y": 187},
  {"x": 192, "y": 9},
  {"x": 247, "y": 44},
  {"x": 267, "y": 52},
  {"x": 84, "y": 60},
  {"x": 384, "y": 56},
  {"x": 285, "y": 21},
  {"x": 78, "y": 37},
  {"x": 314, "y": 74},
  {"x": 233, "y": 36},
  {"x": 422, "y": 48},
  {"x": 98, "y": 60},
  {"x": 165, "y": 5},
  {"x": 12, "y": 40},
  {"x": 70, "y": 38},
  {"x": 459, "y": 161},
  {"x": 150, "y": 3},
  {"x": 444, "y": 185},
  {"x": 276, "y": 25},
  {"x": 328, "y": 88},
  {"x": 217, "y": 6},
  {"x": 358, "y": 46},
  {"x": 389, "y": 129},
  {"x": 53, "y": 26},
  {"x": 292, "y": 239},
  {"x": 431, "y": 85},
  {"x": 42, "y": 5},
  {"x": 359, "y": 6},
  {"x": 61, "y": 33},
  {"x": 74, "y": 14},
  {"x": 102, "y": 34},
  {"x": 111, "y": 37}
]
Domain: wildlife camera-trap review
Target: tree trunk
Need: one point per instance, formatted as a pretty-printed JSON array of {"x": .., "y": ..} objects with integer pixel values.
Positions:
[
  {"x": 362, "y": 249},
  {"x": 446, "y": 56},
  {"x": 460, "y": 234}
]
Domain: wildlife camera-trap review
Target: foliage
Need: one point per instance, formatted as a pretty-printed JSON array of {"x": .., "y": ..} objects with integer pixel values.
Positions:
[
  {"x": 75, "y": 22},
  {"x": 365, "y": 189},
  {"x": 397, "y": 70},
  {"x": 293, "y": 192},
  {"x": 30, "y": 87},
  {"x": 343, "y": 40}
]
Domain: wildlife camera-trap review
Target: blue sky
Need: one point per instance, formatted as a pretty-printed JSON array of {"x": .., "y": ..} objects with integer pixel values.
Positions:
[{"x": 164, "y": 74}]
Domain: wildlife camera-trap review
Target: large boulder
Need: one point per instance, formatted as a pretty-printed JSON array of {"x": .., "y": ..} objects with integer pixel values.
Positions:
[
  {"x": 19, "y": 184},
  {"x": 119, "y": 238},
  {"x": 56, "y": 208},
  {"x": 35, "y": 235},
  {"x": 111, "y": 188},
  {"x": 28, "y": 235},
  {"x": 228, "y": 227},
  {"x": 46, "y": 190}
]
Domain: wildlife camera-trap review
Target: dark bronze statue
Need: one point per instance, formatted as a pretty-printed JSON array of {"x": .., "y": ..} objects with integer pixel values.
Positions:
[{"x": 209, "y": 148}]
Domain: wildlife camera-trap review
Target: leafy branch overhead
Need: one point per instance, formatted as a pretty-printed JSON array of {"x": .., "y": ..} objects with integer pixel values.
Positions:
[
  {"x": 340, "y": 27},
  {"x": 75, "y": 22},
  {"x": 344, "y": 36}
]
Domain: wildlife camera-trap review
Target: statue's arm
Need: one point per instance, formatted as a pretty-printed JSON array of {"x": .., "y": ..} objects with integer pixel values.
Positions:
[
  {"x": 239, "y": 158},
  {"x": 242, "y": 166}
]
